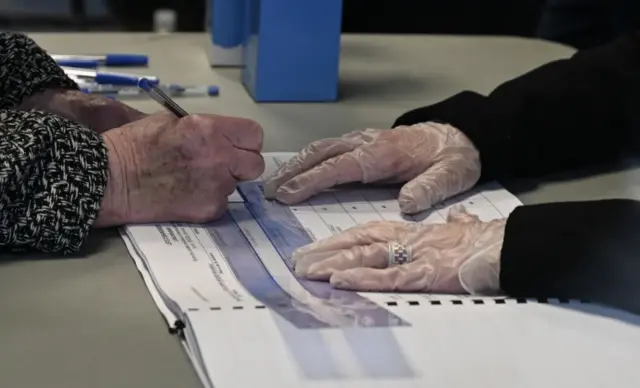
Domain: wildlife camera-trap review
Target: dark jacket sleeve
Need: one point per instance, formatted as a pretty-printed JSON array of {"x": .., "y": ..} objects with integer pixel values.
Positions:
[
  {"x": 574, "y": 250},
  {"x": 53, "y": 174},
  {"x": 26, "y": 69},
  {"x": 566, "y": 114}
]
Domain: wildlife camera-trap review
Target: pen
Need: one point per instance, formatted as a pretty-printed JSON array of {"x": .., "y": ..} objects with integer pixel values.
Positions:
[
  {"x": 93, "y": 61},
  {"x": 161, "y": 98},
  {"x": 171, "y": 90},
  {"x": 108, "y": 78}
]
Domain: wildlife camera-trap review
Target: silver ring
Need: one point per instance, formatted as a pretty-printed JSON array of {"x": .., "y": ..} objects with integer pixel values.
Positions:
[{"x": 399, "y": 254}]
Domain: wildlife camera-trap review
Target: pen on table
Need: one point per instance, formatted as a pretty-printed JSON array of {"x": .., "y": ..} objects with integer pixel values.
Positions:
[
  {"x": 93, "y": 61},
  {"x": 171, "y": 89},
  {"x": 161, "y": 98},
  {"x": 107, "y": 78}
]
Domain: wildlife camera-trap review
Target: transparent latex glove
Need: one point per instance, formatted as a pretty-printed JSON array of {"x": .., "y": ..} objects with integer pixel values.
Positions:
[
  {"x": 437, "y": 160},
  {"x": 460, "y": 256}
]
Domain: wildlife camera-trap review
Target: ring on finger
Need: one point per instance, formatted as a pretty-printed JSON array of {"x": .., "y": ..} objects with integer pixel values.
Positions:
[{"x": 399, "y": 254}]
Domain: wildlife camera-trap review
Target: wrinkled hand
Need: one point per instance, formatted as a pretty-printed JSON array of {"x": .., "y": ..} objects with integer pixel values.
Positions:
[
  {"x": 461, "y": 256},
  {"x": 437, "y": 160},
  {"x": 96, "y": 112},
  {"x": 167, "y": 169}
]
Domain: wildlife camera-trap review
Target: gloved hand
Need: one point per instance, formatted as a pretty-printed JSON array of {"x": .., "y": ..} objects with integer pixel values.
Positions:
[
  {"x": 437, "y": 160},
  {"x": 164, "y": 169},
  {"x": 460, "y": 256},
  {"x": 96, "y": 112}
]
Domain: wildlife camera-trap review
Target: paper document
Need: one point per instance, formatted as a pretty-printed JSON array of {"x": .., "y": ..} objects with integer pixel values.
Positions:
[{"x": 229, "y": 284}]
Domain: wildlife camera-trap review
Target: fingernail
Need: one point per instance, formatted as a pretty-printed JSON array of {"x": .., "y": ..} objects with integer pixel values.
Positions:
[
  {"x": 297, "y": 255},
  {"x": 408, "y": 206},
  {"x": 317, "y": 271},
  {"x": 284, "y": 197},
  {"x": 338, "y": 282},
  {"x": 300, "y": 272},
  {"x": 270, "y": 188},
  {"x": 301, "y": 252},
  {"x": 291, "y": 186}
]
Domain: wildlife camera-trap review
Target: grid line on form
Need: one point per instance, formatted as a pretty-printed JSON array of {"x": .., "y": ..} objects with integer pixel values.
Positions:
[
  {"x": 345, "y": 209},
  {"x": 493, "y": 205}
]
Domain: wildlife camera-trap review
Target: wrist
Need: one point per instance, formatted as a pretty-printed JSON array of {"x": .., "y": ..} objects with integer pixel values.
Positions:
[
  {"x": 96, "y": 112},
  {"x": 480, "y": 273},
  {"x": 114, "y": 208},
  {"x": 67, "y": 103}
]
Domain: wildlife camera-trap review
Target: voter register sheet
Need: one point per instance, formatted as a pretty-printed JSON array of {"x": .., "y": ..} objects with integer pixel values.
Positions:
[{"x": 248, "y": 321}]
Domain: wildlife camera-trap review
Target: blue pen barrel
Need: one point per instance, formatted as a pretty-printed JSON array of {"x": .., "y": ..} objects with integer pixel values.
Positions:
[
  {"x": 120, "y": 79},
  {"x": 126, "y": 60},
  {"x": 79, "y": 63},
  {"x": 227, "y": 22}
]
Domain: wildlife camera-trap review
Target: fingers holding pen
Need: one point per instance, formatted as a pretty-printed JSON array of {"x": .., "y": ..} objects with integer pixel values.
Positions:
[{"x": 181, "y": 169}]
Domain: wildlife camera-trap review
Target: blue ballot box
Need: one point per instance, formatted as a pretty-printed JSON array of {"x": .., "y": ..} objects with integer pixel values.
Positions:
[
  {"x": 228, "y": 32},
  {"x": 292, "y": 50}
]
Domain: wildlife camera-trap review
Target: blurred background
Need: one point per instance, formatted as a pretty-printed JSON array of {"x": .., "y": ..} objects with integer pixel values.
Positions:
[
  {"x": 499, "y": 17},
  {"x": 578, "y": 23}
]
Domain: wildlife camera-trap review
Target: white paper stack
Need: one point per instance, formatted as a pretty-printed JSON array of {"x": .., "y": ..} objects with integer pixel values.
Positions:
[{"x": 247, "y": 321}]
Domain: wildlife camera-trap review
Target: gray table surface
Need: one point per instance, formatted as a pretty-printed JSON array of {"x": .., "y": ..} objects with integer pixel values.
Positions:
[{"x": 88, "y": 321}]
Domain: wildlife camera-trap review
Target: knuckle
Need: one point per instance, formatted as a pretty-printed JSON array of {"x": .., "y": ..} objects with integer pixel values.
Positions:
[
  {"x": 315, "y": 146},
  {"x": 255, "y": 166},
  {"x": 246, "y": 134},
  {"x": 255, "y": 131},
  {"x": 197, "y": 120},
  {"x": 164, "y": 115},
  {"x": 376, "y": 223}
]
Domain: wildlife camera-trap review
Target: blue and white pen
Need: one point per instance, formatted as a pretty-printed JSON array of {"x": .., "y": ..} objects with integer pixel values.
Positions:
[
  {"x": 171, "y": 90},
  {"x": 93, "y": 61},
  {"x": 161, "y": 98},
  {"x": 108, "y": 78}
]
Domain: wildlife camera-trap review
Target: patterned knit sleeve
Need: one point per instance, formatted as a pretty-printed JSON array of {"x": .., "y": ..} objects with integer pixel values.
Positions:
[
  {"x": 26, "y": 69},
  {"x": 53, "y": 174}
]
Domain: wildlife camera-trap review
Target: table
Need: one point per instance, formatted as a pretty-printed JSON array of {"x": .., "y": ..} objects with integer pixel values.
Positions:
[{"x": 88, "y": 321}]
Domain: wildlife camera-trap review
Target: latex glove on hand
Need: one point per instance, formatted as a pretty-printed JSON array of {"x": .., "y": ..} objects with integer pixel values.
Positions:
[
  {"x": 164, "y": 169},
  {"x": 460, "y": 256},
  {"x": 96, "y": 112},
  {"x": 437, "y": 160}
]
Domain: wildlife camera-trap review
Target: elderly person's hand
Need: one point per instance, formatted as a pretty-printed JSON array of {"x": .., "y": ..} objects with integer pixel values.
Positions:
[
  {"x": 164, "y": 169},
  {"x": 436, "y": 160},
  {"x": 96, "y": 112}
]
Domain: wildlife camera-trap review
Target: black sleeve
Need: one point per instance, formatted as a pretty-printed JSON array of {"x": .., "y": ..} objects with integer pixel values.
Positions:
[
  {"x": 53, "y": 174},
  {"x": 574, "y": 250},
  {"x": 26, "y": 69},
  {"x": 569, "y": 113}
]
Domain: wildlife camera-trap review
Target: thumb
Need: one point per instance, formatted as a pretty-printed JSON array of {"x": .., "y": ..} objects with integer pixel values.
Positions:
[
  {"x": 444, "y": 179},
  {"x": 459, "y": 214}
]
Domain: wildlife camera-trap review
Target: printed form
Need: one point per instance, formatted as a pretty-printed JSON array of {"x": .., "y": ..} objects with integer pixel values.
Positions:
[
  {"x": 248, "y": 321},
  {"x": 243, "y": 260}
]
